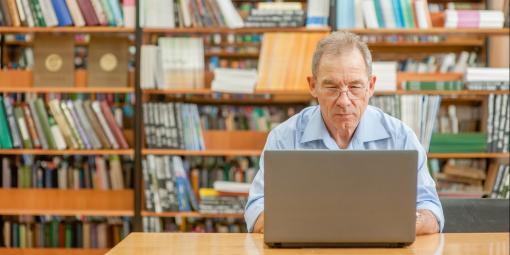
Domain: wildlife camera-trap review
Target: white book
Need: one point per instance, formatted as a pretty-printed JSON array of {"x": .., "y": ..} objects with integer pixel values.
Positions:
[
  {"x": 358, "y": 15},
  {"x": 159, "y": 14},
  {"x": 386, "y": 73},
  {"x": 387, "y": 11},
  {"x": 234, "y": 80},
  {"x": 186, "y": 14},
  {"x": 21, "y": 12},
  {"x": 230, "y": 14},
  {"x": 100, "y": 12},
  {"x": 148, "y": 58},
  {"x": 317, "y": 14},
  {"x": 462, "y": 62},
  {"x": 28, "y": 12},
  {"x": 422, "y": 14},
  {"x": 78, "y": 106},
  {"x": 235, "y": 187},
  {"x": 75, "y": 12},
  {"x": 109, "y": 135},
  {"x": 60, "y": 142},
  {"x": 50, "y": 17},
  {"x": 369, "y": 14}
]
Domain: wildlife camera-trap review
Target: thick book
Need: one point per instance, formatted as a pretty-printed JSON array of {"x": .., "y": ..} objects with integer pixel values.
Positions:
[
  {"x": 54, "y": 60},
  {"x": 38, "y": 125},
  {"x": 62, "y": 124},
  {"x": 88, "y": 12},
  {"x": 79, "y": 126},
  {"x": 62, "y": 12},
  {"x": 5, "y": 136},
  {"x": 85, "y": 122},
  {"x": 25, "y": 135},
  {"x": 75, "y": 12},
  {"x": 104, "y": 125},
  {"x": 98, "y": 130},
  {"x": 108, "y": 61},
  {"x": 31, "y": 126},
  {"x": 42, "y": 115},
  {"x": 117, "y": 132}
]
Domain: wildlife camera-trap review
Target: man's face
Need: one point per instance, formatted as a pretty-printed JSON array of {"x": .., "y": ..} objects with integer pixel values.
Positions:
[{"x": 347, "y": 73}]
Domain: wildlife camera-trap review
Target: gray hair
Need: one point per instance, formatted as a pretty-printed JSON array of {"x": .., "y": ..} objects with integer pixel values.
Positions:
[{"x": 335, "y": 44}]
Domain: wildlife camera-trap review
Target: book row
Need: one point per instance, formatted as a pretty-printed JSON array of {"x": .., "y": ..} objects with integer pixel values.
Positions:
[
  {"x": 157, "y": 224},
  {"x": 74, "y": 172},
  {"x": 51, "y": 13},
  {"x": 62, "y": 232},
  {"x": 73, "y": 124}
]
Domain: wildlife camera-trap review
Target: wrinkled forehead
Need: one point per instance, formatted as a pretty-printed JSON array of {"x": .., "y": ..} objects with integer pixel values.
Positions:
[{"x": 342, "y": 68}]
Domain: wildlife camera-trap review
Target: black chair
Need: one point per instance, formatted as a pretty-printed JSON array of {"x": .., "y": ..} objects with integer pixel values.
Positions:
[{"x": 476, "y": 215}]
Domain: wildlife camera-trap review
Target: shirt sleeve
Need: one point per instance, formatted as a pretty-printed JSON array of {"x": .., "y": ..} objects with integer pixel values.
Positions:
[
  {"x": 255, "y": 204},
  {"x": 427, "y": 197}
]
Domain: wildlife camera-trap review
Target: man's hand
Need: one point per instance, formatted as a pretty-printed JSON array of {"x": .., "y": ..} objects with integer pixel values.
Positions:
[
  {"x": 426, "y": 222},
  {"x": 259, "y": 224}
]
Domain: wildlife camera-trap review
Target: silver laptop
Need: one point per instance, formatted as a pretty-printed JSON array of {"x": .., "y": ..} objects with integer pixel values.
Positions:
[{"x": 324, "y": 198}]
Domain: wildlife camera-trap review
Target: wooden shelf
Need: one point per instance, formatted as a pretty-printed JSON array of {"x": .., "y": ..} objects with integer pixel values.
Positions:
[
  {"x": 232, "y": 54},
  {"x": 307, "y": 93},
  {"x": 51, "y": 251},
  {"x": 501, "y": 155},
  {"x": 201, "y": 153},
  {"x": 449, "y": 194},
  {"x": 67, "y": 89},
  {"x": 193, "y": 214},
  {"x": 74, "y": 30},
  {"x": 246, "y": 30},
  {"x": 65, "y": 152},
  {"x": 66, "y": 202},
  {"x": 433, "y": 31}
]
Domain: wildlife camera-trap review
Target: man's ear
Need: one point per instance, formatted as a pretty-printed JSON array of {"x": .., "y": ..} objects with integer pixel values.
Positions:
[
  {"x": 312, "y": 85},
  {"x": 371, "y": 86}
]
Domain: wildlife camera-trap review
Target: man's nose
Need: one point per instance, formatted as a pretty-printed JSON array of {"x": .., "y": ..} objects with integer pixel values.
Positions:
[{"x": 343, "y": 99}]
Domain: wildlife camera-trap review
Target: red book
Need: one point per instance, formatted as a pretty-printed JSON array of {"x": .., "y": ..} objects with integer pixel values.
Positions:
[
  {"x": 117, "y": 133},
  {"x": 88, "y": 12},
  {"x": 61, "y": 235}
]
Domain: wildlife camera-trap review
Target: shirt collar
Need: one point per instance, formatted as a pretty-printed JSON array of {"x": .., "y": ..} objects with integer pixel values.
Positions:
[{"x": 370, "y": 127}]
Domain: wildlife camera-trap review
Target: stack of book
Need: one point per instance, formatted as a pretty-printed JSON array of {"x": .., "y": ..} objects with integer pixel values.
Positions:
[
  {"x": 212, "y": 202},
  {"x": 461, "y": 176},
  {"x": 474, "y": 19},
  {"x": 459, "y": 119},
  {"x": 382, "y": 14},
  {"x": 484, "y": 78},
  {"x": 51, "y": 13},
  {"x": 62, "y": 232},
  {"x": 167, "y": 187},
  {"x": 172, "y": 125},
  {"x": 77, "y": 172},
  {"x": 276, "y": 14},
  {"x": 189, "y": 13},
  {"x": 234, "y": 80},
  {"x": 69, "y": 124}
]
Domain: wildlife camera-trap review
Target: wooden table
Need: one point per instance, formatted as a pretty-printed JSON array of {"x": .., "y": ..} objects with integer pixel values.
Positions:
[{"x": 237, "y": 244}]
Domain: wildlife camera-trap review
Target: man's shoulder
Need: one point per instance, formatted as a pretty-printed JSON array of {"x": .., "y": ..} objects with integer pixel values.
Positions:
[{"x": 393, "y": 126}]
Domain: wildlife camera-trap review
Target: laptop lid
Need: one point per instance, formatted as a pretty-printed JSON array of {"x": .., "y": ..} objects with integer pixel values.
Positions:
[{"x": 340, "y": 197}]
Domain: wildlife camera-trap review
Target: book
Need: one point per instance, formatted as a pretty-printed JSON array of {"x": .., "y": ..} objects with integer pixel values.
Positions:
[
  {"x": 317, "y": 14},
  {"x": 108, "y": 61},
  {"x": 54, "y": 58},
  {"x": 5, "y": 140}
]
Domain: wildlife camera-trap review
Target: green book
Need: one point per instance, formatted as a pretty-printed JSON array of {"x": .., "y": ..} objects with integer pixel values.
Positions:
[
  {"x": 22, "y": 125},
  {"x": 43, "y": 118},
  {"x": 462, "y": 142},
  {"x": 68, "y": 235},
  {"x": 54, "y": 233},
  {"x": 5, "y": 136},
  {"x": 38, "y": 12},
  {"x": 434, "y": 85}
]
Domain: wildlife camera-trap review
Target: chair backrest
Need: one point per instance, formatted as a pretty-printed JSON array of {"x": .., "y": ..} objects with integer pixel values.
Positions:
[{"x": 476, "y": 215}]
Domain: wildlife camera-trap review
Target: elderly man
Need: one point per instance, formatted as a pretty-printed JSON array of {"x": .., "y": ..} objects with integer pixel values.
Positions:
[{"x": 343, "y": 83}]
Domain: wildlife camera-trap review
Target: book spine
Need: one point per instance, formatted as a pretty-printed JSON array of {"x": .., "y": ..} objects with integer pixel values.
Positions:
[
  {"x": 88, "y": 12},
  {"x": 31, "y": 127},
  {"x": 102, "y": 121},
  {"x": 62, "y": 12},
  {"x": 119, "y": 137},
  {"x": 13, "y": 126},
  {"x": 18, "y": 112},
  {"x": 38, "y": 125}
]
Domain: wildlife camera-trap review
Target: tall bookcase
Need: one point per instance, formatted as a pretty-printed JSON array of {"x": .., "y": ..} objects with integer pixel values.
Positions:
[
  {"x": 68, "y": 202},
  {"x": 219, "y": 143}
]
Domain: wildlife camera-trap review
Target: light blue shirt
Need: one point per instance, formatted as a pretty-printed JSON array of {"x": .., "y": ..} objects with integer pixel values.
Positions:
[{"x": 376, "y": 131}]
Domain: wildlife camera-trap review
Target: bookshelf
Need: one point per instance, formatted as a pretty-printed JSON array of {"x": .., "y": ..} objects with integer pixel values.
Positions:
[
  {"x": 52, "y": 251},
  {"x": 22, "y": 201},
  {"x": 129, "y": 202}
]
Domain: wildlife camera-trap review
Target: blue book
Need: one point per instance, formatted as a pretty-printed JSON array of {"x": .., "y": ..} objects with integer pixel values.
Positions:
[
  {"x": 63, "y": 15},
  {"x": 379, "y": 13},
  {"x": 182, "y": 196},
  {"x": 397, "y": 12},
  {"x": 117, "y": 12},
  {"x": 345, "y": 12}
]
